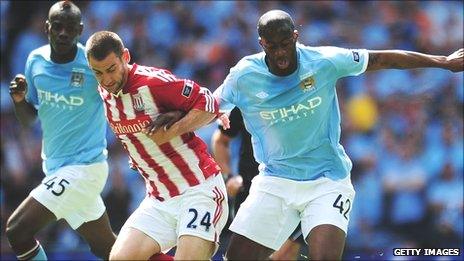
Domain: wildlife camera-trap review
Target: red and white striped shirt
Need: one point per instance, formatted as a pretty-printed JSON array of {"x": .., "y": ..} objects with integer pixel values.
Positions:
[{"x": 170, "y": 168}]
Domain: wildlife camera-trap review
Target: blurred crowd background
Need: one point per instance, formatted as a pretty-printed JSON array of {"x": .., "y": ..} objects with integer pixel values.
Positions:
[{"x": 402, "y": 129}]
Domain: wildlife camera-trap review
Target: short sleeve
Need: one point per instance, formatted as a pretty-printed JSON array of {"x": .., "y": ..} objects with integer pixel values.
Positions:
[
  {"x": 183, "y": 94},
  {"x": 226, "y": 94},
  {"x": 349, "y": 62},
  {"x": 31, "y": 94}
]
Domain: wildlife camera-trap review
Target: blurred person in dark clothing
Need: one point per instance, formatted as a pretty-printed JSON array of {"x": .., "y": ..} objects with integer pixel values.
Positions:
[
  {"x": 446, "y": 215},
  {"x": 117, "y": 200}
]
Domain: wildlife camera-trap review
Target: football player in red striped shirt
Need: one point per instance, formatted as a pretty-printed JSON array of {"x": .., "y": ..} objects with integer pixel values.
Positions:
[{"x": 186, "y": 202}]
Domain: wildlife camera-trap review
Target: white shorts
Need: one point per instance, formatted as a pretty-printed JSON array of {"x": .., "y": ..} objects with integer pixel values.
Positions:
[
  {"x": 200, "y": 211},
  {"x": 275, "y": 206},
  {"x": 73, "y": 192}
]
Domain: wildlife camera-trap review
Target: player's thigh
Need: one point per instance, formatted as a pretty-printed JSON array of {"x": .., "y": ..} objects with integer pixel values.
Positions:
[
  {"x": 97, "y": 230},
  {"x": 243, "y": 248},
  {"x": 331, "y": 206},
  {"x": 265, "y": 219},
  {"x": 290, "y": 250},
  {"x": 325, "y": 219},
  {"x": 99, "y": 235},
  {"x": 157, "y": 220},
  {"x": 73, "y": 193},
  {"x": 326, "y": 242},
  {"x": 28, "y": 218},
  {"x": 194, "y": 248},
  {"x": 204, "y": 211},
  {"x": 133, "y": 244}
]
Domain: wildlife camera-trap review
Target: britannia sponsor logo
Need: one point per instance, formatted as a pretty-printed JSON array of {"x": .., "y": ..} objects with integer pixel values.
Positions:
[{"x": 129, "y": 126}]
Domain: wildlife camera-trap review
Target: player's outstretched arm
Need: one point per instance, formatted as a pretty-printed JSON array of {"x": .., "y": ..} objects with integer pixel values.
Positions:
[
  {"x": 25, "y": 112},
  {"x": 192, "y": 121},
  {"x": 400, "y": 59}
]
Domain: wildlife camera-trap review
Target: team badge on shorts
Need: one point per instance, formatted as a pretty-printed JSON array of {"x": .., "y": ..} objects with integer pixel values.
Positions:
[
  {"x": 77, "y": 77},
  {"x": 137, "y": 102},
  {"x": 307, "y": 84}
]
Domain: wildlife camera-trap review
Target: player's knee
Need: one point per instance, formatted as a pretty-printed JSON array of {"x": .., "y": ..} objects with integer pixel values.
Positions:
[
  {"x": 10, "y": 229},
  {"x": 14, "y": 230}
]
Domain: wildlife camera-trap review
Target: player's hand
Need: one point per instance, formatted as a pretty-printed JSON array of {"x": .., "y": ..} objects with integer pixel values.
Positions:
[
  {"x": 224, "y": 121},
  {"x": 18, "y": 87},
  {"x": 455, "y": 61},
  {"x": 233, "y": 185},
  {"x": 164, "y": 120}
]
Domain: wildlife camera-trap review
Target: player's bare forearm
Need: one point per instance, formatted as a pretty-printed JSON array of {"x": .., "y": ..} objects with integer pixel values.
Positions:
[
  {"x": 25, "y": 113},
  {"x": 221, "y": 151},
  {"x": 400, "y": 59},
  {"x": 192, "y": 121}
]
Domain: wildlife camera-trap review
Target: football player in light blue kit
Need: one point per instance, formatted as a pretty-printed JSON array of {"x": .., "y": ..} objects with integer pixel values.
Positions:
[
  {"x": 60, "y": 89},
  {"x": 289, "y": 104}
]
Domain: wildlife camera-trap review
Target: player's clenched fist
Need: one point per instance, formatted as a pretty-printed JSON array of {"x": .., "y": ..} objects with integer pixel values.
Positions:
[{"x": 18, "y": 87}]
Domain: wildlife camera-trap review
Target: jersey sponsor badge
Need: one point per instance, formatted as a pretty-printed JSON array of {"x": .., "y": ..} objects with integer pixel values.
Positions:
[
  {"x": 355, "y": 56},
  {"x": 124, "y": 127},
  {"x": 188, "y": 87},
  {"x": 77, "y": 77},
  {"x": 137, "y": 102}
]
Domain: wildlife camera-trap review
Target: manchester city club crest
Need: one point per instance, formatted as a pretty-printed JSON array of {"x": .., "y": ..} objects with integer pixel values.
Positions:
[
  {"x": 137, "y": 102},
  {"x": 307, "y": 84},
  {"x": 77, "y": 77}
]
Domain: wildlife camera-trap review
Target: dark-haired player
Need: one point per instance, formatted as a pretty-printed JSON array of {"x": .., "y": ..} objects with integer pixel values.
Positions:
[
  {"x": 60, "y": 89},
  {"x": 186, "y": 203}
]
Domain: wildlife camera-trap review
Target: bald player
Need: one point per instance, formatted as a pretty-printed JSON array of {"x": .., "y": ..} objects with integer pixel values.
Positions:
[
  {"x": 61, "y": 91},
  {"x": 289, "y": 106}
]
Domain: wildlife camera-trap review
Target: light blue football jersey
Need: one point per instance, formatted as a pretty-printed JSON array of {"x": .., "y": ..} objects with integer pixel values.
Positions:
[
  {"x": 69, "y": 107},
  {"x": 294, "y": 120}
]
